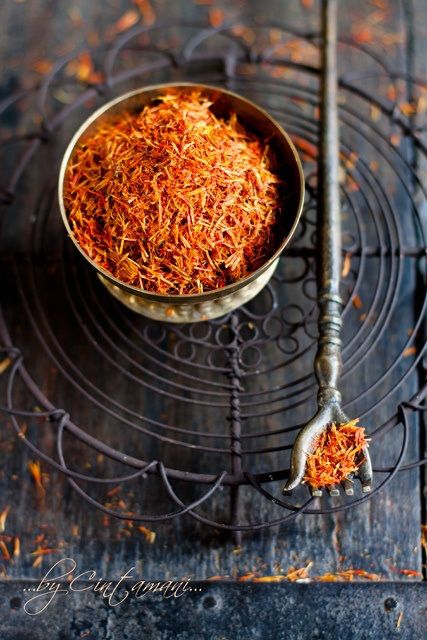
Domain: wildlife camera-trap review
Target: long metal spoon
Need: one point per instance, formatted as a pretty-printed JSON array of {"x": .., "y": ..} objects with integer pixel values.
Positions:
[{"x": 327, "y": 363}]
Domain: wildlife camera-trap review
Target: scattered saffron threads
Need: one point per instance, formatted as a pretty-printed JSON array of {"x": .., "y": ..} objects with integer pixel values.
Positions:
[
  {"x": 83, "y": 69},
  {"x": 363, "y": 34},
  {"x": 247, "y": 576},
  {"x": 216, "y": 17},
  {"x": 3, "y": 518},
  {"x": 148, "y": 534},
  {"x": 16, "y": 547},
  {"x": 348, "y": 575},
  {"x": 346, "y": 265},
  {"x": 424, "y": 537},
  {"x": 299, "y": 574},
  {"x": 4, "y": 550},
  {"x": 309, "y": 150},
  {"x": 174, "y": 199},
  {"x": 36, "y": 474},
  {"x": 114, "y": 491},
  {"x": 43, "y": 66},
  {"x": 408, "y": 108},
  {"x": 292, "y": 575},
  {"x": 412, "y": 573},
  {"x": 128, "y": 20},
  {"x": 43, "y": 551},
  {"x": 278, "y": 578},
  {"x": 375, "y": 112},
  {"x": 357, "y": 302},
  {"x": 399, "y": 620},
  {"x": 302, "y": 574},
  {"x": 409, "y": 351},
  {"x": 40, "y": 551},
  {"x": 337, "y": 453},
  {"x": 5, "y": 364},
  {"x": 146, "y": 10}
]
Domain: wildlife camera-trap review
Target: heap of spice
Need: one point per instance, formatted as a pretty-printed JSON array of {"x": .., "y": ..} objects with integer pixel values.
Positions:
[
  {"x": 174, "y": 199},
  {"x": 337, "y": 453}
]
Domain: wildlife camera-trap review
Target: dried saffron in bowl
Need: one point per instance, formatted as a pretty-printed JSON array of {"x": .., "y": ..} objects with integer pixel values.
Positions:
[
  {"x": 337, "y": 453},
  {"x": 174, "y": 199}
]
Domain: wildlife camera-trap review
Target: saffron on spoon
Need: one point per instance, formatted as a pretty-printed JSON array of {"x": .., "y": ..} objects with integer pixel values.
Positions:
[{"x": 337, "y": 454}]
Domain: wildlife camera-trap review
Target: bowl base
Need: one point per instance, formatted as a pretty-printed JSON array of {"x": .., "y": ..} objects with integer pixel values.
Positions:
[{"x": 190, "y": 311}]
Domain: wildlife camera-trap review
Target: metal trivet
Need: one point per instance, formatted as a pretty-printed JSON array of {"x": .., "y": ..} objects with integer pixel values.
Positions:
[{"x": 249, "y": 373}]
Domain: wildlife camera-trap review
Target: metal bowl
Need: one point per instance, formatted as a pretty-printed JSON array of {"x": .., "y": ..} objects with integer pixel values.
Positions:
[{"x": 285, "y": 162}]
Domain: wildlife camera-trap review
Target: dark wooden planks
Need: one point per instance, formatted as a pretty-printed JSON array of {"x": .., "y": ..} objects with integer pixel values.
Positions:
[{"x": 370, "y": 538}]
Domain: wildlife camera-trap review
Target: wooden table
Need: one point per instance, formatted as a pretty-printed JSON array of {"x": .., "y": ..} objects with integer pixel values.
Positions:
[{"x": 383, "y": 536}]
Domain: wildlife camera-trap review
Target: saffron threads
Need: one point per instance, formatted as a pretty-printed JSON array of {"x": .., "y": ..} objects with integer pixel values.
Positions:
[
  {"x": 337, "y": 453},
  {"x": 302, "y": 574},
  {"x": 348, "y": 575},
  {"x": 174, "y": 199}
]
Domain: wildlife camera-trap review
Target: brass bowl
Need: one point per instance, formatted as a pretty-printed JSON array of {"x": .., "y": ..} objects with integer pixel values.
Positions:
[{"x": 285, "y": 161}]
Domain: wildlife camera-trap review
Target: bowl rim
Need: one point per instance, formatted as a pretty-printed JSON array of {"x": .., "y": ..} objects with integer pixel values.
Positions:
[{"x": 185, "y": 297}]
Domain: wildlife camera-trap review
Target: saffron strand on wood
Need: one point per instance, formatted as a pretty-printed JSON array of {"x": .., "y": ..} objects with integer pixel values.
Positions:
[
  {"x": 337, "y": 454},
  {"x": 174, "y": 199}
]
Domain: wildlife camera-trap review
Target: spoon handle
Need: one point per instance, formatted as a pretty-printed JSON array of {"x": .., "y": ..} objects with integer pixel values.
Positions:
[{"x": 328, "y": 358}]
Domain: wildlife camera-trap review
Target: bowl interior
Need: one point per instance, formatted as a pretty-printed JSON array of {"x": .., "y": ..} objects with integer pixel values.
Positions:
[{"x": 283, "y": 156}]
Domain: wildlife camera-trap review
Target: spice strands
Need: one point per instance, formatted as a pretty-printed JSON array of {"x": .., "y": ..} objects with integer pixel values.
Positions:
[
  {"x": 337, "y": 453},
  {"x": 173, "y": 199}
]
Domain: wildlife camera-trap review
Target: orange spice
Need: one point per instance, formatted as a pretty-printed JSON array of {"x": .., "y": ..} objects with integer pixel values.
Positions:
[
  {"x": 337, "y": 453},
  {"x": 16, "y": 547},
  {"x": 348, "y": 575},
  {"x": 146, "y": 10},
  {"x": 5, "y": 364},
  {"x": 412, "y": 573},
  {"x": 128, "y": 20},
  {"x": 43, "y": 551},
  {"x": 302, "y": 574},
  {"x": 3, "y": 518},
  {"x": 114, "y": 491},
  {"x": 409, "y": 351},
  {"x": 424, "y": 537},
  {"x": 4, "y": 550},
  {"x": 292, "y": 575},
  {"x": 216, "y": 17},
  {"x": 35, "y": 470},
  {"x": 346, "y": 265},
  {"x": 148, "y": 534},
  {"x": 247, "y": 576},
  {"x": 174, "y": 199}
]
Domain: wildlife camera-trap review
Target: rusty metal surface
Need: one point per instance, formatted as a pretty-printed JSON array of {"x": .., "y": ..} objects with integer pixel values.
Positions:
[{"x": 226, "y": 611}]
